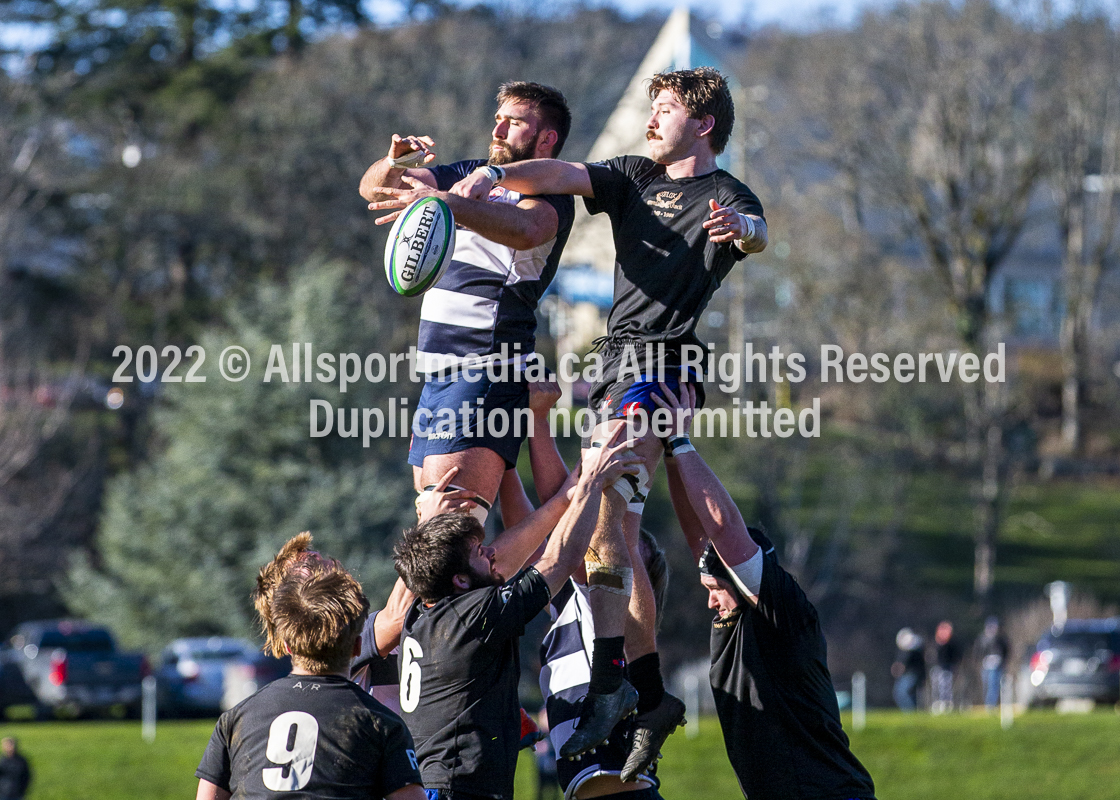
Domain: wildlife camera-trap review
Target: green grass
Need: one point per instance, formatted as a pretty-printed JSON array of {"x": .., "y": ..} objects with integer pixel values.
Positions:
[{"x": 1044, "y": 755}]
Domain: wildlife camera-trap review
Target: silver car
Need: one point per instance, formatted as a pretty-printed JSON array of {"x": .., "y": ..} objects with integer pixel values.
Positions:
[{"x": 191, "y": 675}]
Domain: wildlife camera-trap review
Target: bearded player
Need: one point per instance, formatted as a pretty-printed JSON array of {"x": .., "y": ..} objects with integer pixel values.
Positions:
[
  {"x": 482, "y": 311},
  {"x": 680, "y": 225}
]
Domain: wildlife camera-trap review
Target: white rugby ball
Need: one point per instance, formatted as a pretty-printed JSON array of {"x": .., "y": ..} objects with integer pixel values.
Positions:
[{"x": 420, "y": 246}]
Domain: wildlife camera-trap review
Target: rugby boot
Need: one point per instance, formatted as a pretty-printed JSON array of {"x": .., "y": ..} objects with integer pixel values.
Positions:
[
  {"x": 598, "y": 715},
  {"x": 651, "y": 729}
]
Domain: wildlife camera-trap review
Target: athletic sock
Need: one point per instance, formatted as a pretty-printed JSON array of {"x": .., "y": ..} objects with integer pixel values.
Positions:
[
  {"x": 645, "y": 674},
  {"x": 607, "y": 665}
]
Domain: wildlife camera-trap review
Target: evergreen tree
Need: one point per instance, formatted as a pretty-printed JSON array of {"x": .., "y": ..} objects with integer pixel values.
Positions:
[{"x": 181, "y": 537}]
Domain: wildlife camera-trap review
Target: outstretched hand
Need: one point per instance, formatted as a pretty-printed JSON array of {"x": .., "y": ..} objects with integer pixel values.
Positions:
[
  {"x": 613, "y": 460},
  {"x": 402, "y": 198},
  {"x": 441, "y": 501},
  {"x": 725, "y": 224},
  {"x": 543, "y": 396},
  {"x": 421, "y": 148},
  {"x": 475, "y": 186}
]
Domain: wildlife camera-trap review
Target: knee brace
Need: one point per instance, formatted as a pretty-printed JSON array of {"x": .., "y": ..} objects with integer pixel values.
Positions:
[
  {"x": 480, "y": 512},
  {"x": 616, "y": 580}
]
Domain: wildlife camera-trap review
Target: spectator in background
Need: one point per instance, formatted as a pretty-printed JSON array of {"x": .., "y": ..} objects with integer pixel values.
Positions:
[
  {"x": 992, "y": 650},
  {"x": 908, "y": 669},
  {"x": 947, "y": 657},
  {"x": 15, "y": 772}
]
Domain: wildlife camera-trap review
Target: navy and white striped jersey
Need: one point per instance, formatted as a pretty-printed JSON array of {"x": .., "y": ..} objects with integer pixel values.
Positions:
[
  {"x": 565, "y": 676},
  {"x": 487, "y": 297}
]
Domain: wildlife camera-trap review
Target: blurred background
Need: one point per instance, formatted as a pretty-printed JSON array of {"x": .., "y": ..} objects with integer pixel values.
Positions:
[{"x": 936, "y": 176}]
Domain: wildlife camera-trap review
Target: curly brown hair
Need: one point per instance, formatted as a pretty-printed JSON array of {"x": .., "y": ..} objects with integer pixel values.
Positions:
[{"x": 702, "y": 91}]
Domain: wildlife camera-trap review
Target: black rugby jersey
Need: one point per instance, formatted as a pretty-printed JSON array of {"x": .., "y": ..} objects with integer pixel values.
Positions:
[
  {"x": 776, "y": 703},
  {"x": 310, "y": 736},
  {"x": 666, "y": 269},
  {"x": 488, "y": 295},
  {"x": 459, "y": 672}
]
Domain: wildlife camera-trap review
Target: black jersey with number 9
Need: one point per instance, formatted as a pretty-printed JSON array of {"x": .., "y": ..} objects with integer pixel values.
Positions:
[{"x": 310, "y": 736}]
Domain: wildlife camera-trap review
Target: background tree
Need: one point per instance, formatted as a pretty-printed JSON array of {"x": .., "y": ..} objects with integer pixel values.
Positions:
[
  {"x": 237, "y": 474},
  {"x": 1083, "y": 122}
]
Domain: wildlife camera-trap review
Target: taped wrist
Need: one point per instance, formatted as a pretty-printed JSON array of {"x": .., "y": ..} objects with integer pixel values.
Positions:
[
  {"x": 480, "y": 512},
  {"x": 748, "y": 575},
  {"x": 616, "y": 580},
  {"x": 413, "y": 159},
  {"x": 632, "y": 488},
  {"x": 678, "y": 445}
]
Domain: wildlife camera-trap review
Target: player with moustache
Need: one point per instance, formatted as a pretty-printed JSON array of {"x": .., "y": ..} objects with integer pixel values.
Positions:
[
  {"x": 313, "y": 734},
  {"x": 773, "y": 691},
  {"x": 680, "y": 225},
  {"x": 482, "y": 311},
  {"x": 459, "y": 648}
]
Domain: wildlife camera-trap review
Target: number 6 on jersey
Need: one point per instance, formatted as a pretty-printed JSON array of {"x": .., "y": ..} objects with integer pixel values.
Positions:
[{"x": 410, "y": 674}]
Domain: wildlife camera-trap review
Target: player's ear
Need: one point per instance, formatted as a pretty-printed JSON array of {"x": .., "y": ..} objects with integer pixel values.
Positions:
[
  {"x": 461, "y": 582},
  {"x": 546, "y": 141},
  {"x": 707, "y": 124}
]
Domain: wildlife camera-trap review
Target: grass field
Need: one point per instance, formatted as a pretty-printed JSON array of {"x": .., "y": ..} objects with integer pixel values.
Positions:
[{"x": 1044, "y": 755}]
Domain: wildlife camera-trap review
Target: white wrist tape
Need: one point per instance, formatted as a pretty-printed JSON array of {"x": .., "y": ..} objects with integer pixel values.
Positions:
[
  {"x": 413, "y": 159},
  {"x": 748, "y": 575},
  {"x": 678, "y": 445},
  {"x": 749, "y": 223}
]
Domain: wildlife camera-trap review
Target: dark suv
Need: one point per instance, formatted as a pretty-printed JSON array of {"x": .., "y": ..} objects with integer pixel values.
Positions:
[{"x": 1079, "y": 661}]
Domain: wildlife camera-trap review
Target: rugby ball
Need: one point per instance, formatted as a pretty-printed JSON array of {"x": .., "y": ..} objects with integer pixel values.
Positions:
[{"x": 420, "y": 246}]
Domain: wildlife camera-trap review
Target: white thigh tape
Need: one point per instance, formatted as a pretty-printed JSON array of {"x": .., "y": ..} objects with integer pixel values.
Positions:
[
  {"x": 616, "y": 580},
  {"x": 480, "y": 512}
]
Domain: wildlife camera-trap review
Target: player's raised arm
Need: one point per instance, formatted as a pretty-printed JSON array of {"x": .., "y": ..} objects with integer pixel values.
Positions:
[
  {"x": 529, "y": 224},
  {"x": 537, "y": 176},
  {"x": 549, "y": 470},
  {"x": 515, "y": 544},
  {"x": 713, "y": 506},
  {"x": 406, "y": 155}
]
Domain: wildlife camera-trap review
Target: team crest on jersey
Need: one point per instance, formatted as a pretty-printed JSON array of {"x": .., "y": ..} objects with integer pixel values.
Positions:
[
  {"x": 506, "y": 594},
  {"x": 670, "y": 201}
]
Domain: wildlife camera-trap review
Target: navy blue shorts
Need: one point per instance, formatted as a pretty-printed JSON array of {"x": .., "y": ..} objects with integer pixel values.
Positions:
[{"x": 500, "y": 423}]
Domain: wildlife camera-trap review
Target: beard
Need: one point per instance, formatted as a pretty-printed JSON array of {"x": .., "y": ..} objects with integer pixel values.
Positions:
[
  {"x": 481, "y": 580},
  {"x": 503, "y": 153}
]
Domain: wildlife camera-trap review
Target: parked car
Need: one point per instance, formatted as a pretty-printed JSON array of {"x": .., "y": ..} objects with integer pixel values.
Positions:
[
  {"x": 14, "y": 690},
  {"x": 73, "y": 667},
  {"x": 244, "y": 679},
  {"x": 193, "y": 675},
  {"x": 1081, "y": 661}
]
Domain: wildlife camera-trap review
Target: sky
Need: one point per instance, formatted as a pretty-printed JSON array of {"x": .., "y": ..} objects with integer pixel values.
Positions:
[{"x": 787, "y": 13}]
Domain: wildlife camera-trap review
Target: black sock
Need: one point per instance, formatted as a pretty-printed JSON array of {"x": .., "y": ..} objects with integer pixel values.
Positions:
[
  {"x": 645, "y": 674},
  {"x": 607, "y": 665}
]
